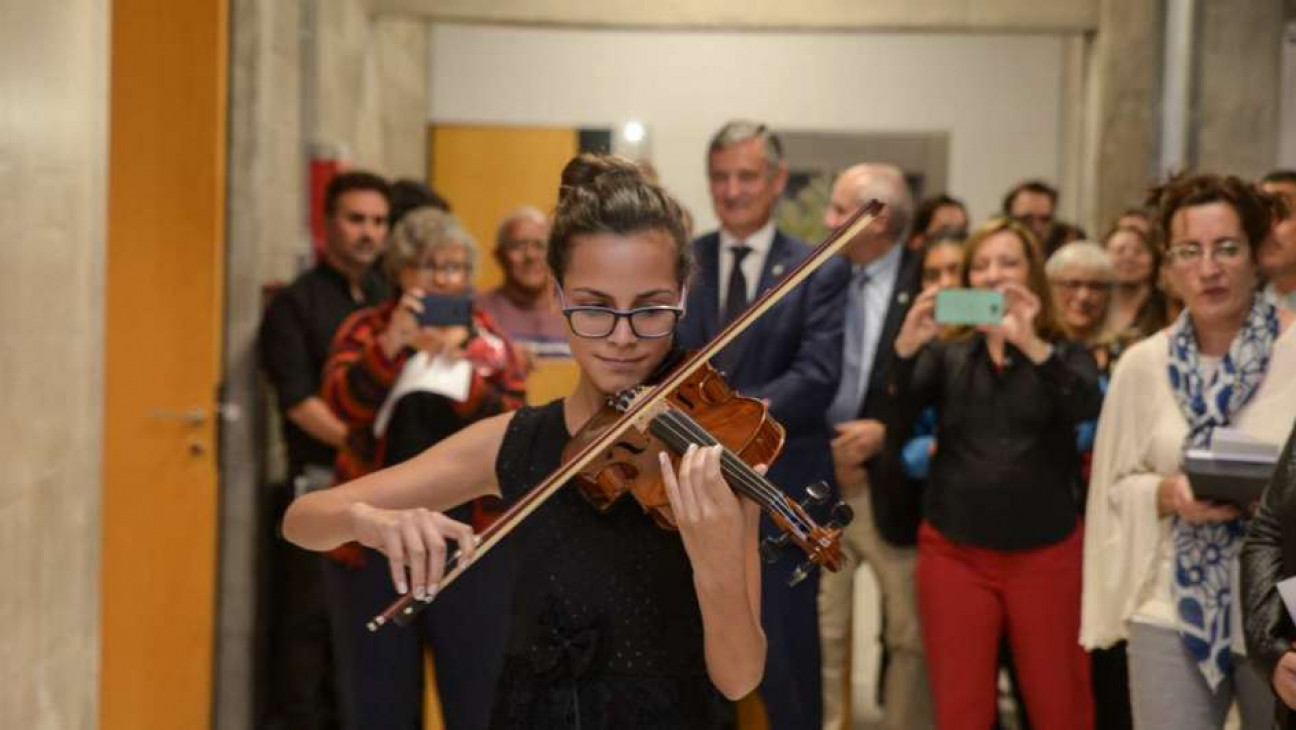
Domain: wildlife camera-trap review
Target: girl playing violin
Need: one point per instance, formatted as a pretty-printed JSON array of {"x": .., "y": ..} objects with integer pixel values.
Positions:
[{"x": 616, "y": 622}]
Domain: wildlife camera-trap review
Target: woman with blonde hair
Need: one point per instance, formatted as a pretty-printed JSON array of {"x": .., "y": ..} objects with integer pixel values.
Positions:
[{"x": 999, "y": 549}]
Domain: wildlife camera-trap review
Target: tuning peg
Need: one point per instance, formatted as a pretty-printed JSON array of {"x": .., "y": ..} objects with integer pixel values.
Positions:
[
  {"x": 801, "y": 573},
  {"x": 771, "y": 547},
  {"x": 841, "y": 515},
  {"x": 816, "y": 493}
]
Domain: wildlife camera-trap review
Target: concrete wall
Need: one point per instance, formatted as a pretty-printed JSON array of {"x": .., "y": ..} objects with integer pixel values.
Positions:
[
  {"x": 997, "y": 96},
  {"x": 1124, "y": 109},
  {"x": 365, "y": 86},
  {"x": 268, "y": 241},
  {"x": 1239, "y": 67},
  {"x": 1287, "y": 115},
  {"x": 53, "y": 155}
]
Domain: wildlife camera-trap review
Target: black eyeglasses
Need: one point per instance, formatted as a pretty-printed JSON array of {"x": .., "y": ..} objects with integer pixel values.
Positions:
[{"x": 647, "y": 323}]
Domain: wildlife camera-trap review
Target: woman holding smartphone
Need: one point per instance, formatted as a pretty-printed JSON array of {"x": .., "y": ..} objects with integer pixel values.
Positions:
[
  {"x": 429, "y": 323},
  {"x": 999, "y": 549},
  {"x": 615, "y": 622}
]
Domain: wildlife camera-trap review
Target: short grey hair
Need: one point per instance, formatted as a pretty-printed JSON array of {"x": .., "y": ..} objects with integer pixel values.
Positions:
[
  {"x": 1083, "y": 255},
  {"x": 423, "y": 230},
  {"x": 740, "y": 130},
  {"x": 887, "y": 184},
  {"x": 521, "y": 213}
]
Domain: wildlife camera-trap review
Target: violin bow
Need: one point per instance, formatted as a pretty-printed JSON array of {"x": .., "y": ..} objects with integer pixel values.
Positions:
[{"x": 403, "y": 610}]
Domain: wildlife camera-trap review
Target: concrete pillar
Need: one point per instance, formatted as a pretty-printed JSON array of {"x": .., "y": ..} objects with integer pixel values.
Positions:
[
  {"x": 268, "y": 241},
  {"x": 54, "y": 60},
  {"x": 402, "y": 113},
  {"x": 1124, "y": 108},
  {"x": 366, "y": 86},
  {"x": 1239, "y": 52}
]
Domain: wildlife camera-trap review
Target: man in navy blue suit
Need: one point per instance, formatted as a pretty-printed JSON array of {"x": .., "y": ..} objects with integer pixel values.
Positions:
[{"x": 792, "y": 358}]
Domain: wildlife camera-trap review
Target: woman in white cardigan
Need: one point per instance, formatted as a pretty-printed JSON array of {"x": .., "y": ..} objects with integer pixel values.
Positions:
[{"x": 1160, "y": 565}]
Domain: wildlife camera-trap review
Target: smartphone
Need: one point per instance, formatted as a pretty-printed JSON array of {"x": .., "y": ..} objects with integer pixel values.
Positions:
[
  {"x": 446, "y": 310},
  {"x": 969, "y": 306}
]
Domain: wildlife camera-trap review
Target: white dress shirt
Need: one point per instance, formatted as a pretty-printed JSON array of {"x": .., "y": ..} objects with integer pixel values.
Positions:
[{"x": 760, "y": 243}]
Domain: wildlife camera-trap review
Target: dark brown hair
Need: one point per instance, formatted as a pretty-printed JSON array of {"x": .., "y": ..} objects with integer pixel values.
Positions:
[
  {"x": 609, "y": 194},
  {"x": 927, "y": 210},
  {"x": 350, "y": 181},
  {"x": 1039, "y": 187},
  {"x": 1253, "y": 208}
]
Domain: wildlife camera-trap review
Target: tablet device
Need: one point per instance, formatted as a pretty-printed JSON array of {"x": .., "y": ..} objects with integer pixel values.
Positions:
[
  {"x": 446, "y": 310},
  {"x": 1236, "y": 482}
]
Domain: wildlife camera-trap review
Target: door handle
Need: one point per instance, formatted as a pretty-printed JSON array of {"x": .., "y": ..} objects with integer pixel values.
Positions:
[
  {"x": 188, "y": 416},
  {"x": 227, "y": 412}
]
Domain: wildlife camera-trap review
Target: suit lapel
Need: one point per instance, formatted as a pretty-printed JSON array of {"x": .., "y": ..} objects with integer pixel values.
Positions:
[
  {"x": 906, "y": 288},
  {"x": 707, "y": 303}
]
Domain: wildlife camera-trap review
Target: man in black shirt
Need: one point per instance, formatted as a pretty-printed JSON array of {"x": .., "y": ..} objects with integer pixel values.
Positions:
[{"x": 296, "y": 332}]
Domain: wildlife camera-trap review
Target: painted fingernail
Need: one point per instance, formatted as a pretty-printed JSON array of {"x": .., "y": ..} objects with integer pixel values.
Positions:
[
  {"x": 402, "y": 589},
  {"x": 418, "y": 592},
  {"x": 432, "y": 591}
]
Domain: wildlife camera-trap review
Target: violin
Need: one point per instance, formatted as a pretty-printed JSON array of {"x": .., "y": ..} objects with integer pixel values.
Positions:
[
  {"x": 615, "y": 453},
  {"x": 704, "y": 411}
]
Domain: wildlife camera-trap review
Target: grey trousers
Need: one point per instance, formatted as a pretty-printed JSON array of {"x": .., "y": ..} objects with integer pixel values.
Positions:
[{"x": 1168, "y": 691}]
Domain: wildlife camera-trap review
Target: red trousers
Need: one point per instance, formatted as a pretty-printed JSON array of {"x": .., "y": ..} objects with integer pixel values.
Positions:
[{"x": 969, "y": 596}]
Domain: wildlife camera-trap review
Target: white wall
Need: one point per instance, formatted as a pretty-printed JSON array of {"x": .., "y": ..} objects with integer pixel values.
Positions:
[{"x": 998, "y": 96}]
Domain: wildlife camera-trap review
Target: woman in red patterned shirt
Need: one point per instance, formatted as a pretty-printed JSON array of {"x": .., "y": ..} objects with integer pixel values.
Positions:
[{"x": 401, "y": 387}]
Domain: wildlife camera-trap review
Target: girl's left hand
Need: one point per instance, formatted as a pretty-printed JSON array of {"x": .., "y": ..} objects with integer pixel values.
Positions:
[
  {"x": 713, "y": 521},
  {"x": 1021, "y": 306}
]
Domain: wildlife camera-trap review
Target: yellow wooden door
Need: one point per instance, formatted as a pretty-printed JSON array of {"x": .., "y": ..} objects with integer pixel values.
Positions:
[
  {"x": 166, "y": 209},
  {"x": 487, "y": 171}
]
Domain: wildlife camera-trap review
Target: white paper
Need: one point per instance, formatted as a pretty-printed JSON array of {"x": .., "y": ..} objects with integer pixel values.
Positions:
[
  {"x": 424, "y": 374},
  {"x": 1287, "y": 589}
]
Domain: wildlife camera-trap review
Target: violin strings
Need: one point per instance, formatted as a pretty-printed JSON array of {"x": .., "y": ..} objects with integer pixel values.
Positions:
[
  {"x": 741, "y": 471},
  {"x": 701, "y": 436},
  {"x": 679, "y": 427}
]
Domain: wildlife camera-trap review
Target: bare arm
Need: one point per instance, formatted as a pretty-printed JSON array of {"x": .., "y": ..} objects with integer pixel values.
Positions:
[
  {"x": 397, "y": 510},
  {"x": 314, "y": 417},
  {"x": 720, "y": 535}
]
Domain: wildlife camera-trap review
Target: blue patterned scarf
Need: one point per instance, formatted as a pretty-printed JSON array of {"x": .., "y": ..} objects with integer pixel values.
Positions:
[{"x": 1204, "y": 554}]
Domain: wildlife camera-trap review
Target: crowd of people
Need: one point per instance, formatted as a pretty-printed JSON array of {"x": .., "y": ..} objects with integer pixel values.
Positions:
[{"x": 1018, "y": 483}]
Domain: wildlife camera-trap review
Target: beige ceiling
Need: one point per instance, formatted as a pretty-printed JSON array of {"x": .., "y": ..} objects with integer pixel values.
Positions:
[{"x": 915, "y": 15}]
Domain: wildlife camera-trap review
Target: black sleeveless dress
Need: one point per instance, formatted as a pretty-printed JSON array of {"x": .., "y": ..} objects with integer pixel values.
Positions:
[{"x": 606, "y": 630}]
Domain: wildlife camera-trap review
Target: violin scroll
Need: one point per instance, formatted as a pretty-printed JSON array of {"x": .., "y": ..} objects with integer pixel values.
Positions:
[{"x": 822, "y": 545}]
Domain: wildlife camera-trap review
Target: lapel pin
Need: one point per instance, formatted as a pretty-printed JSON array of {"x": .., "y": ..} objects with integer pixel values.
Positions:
[
  {"x": 777, "y": 270},
  {"x": 903, "y": 298}
]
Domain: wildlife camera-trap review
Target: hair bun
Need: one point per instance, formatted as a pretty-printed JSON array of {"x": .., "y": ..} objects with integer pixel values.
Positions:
[{"x": 588, "y": 171}]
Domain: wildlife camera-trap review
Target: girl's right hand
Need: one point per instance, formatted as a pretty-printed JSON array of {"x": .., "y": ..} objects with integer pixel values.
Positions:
[
  {"x": 413, "y": 540},
  {"x": 920, "y": 325}
]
